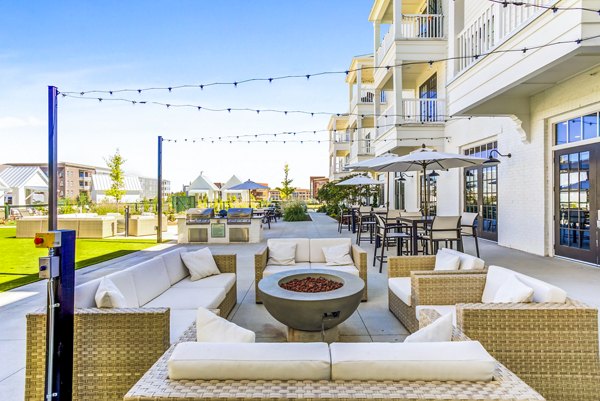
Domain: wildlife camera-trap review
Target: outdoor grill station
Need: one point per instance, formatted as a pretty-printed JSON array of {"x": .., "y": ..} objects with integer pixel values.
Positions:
[{"x": 204, "y": 226}]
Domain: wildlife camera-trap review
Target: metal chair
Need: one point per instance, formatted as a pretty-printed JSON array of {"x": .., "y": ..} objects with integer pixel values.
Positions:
[
  {"x": 365, "y": 222},
  {"x": 468, "y": 225},
  {"x": 345, "y": 219},
  {"x": 386, "y": 232},
  {"x": 443, "y": 229}
]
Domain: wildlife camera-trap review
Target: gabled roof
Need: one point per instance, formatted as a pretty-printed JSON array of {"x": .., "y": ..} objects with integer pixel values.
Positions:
[
  {"x": 3, "y": 185},
  {"x": 17, "y": 176},
  {"x": 233, "y": 181},
  {"x": 102, "y": 182},
  {"x": 202, "y": 183}
]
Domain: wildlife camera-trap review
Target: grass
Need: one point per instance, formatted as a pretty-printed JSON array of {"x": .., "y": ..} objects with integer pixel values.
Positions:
[{"x": 19, "y": 257}]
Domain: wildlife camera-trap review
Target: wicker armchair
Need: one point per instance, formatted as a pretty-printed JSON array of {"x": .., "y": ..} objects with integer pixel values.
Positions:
[{"x": 553, "y": 347}]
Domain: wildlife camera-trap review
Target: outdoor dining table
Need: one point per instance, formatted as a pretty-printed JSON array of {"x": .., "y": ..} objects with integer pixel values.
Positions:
[{"x": 415, "y": 221}]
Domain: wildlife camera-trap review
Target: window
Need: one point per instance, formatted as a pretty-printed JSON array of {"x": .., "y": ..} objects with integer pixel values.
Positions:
[{"x": 576, "y": 129}]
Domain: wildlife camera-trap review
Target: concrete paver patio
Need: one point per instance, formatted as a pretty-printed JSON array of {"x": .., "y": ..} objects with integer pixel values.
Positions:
[{"x": 372, "y": 321}]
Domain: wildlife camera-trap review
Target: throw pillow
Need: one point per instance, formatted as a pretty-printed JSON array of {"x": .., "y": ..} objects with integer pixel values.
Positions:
[
  {"x": 200, "y": 264},
  {"x": 109, "y": 296},
  {"x": 211, "y": 328},
  {"x": 446, "y": 261},
  {"x": 513, "y": 290},
  {"x": 282, "y": 253},
  {"x": 438, "y": 331},
  {"x": 338, "y": 255}
]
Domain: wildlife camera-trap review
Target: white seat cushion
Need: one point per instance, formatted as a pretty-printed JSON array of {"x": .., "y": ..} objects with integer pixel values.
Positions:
[
  {"x": 542, "y": 291},
  {"x": 125, "y": 282},
  {"x": 214, "y": 329},
  {"x": 151, "y": 279},
  {"x": 401, "y": 287},
  {"x": 223, "y": 280},
  {"x": 189, "y": 298},
  {"x": 272, "y": 269},
  {"x": 317, "y": 245},
  {"x": 302, "y": 247},
  {"x": 443, "y": 361},
  {"x": 441, "y": 309},
  {"x": 438, "y": 331},
  {"x": 180, "y": 320},
  {"x": 351, "y": 269},
  {"x": 513, "y": 290},
  {"x": 445, "y": 260},
  {"x": 175, "y": 267},
  {"x": 200, "y": 263},
  {"x": 250, "y": 361},
  {"x": 467, "y": 262}
]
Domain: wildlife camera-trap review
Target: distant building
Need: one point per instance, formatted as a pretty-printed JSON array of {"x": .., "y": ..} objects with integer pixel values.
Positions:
[
  {"x": 202, "y": 186},
  {"x": 316, "y": 182},
  {"x": 150, "y": 187},
  {"x": 102, "y": 183},
  {"x": 301, "y": 194},
  {"x": 23, "y": 185}
]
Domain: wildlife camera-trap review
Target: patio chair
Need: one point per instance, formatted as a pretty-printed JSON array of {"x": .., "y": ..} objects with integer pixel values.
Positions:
[
  {"x": 345, "y": 219},
  {"x": 386, "y": 233},
  {"x": 365, "y": 222},
  {"x": 468, "y": 225},
  {"x": 444, "y": 229}
]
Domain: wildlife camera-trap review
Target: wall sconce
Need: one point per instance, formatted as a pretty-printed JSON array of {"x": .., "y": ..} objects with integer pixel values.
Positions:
[{"x": 493, "y": 160}]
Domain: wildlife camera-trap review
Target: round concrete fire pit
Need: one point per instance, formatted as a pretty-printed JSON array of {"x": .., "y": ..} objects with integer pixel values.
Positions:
[{"x": 311, "y": 311}]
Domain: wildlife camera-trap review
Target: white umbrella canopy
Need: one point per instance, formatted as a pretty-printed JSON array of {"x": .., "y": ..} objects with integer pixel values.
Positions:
[
  {"x": 360, "y": 180},
  {"x": 373, "y": 164}
]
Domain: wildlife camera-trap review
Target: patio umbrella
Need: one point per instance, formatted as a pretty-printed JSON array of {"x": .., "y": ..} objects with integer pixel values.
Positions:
[
  {"x": 359, "y": 181},
  {"x": 249, "y": 186},
  {"x": 423, "y": 159}
]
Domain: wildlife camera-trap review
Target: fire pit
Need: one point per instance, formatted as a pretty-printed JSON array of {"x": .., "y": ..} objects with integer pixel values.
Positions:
[
  {"x": 311, "y": 284},
  {"x": 307, "y": 310}
]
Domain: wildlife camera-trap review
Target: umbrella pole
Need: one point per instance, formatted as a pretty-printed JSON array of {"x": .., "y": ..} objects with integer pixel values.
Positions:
[{"x": 425, "y": 192}]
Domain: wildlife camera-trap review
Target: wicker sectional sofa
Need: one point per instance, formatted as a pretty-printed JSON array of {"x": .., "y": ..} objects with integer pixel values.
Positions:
[
  {"x": 114, "y": 347},
  {"x": 309, "y": 254},
  {"x": 155, "y": 385},
  {"x": 551, "y": 343}
]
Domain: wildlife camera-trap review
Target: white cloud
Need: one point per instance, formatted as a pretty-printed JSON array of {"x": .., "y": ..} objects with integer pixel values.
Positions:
[{"x": 20, "y": 122}]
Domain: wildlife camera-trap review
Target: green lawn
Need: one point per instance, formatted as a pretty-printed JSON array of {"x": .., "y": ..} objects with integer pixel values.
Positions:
[{"x": 19, "y": 256}]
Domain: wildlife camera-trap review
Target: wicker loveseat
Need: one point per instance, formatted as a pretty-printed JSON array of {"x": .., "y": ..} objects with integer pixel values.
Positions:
[
  {"x": 155, "y": 385},
  {"x": 114, "y": 347},
  {"x": 309, "y": 254},
  {"x": 552, "y": 346}
]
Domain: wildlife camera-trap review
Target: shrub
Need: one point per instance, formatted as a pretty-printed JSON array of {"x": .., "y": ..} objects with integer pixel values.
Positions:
[{"x": 294, "y": 211}]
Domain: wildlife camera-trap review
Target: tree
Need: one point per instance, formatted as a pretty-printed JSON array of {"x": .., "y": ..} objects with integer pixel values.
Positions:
[
  {"x": 117, "y": 176},
  {"x": 286, "y": 190}
]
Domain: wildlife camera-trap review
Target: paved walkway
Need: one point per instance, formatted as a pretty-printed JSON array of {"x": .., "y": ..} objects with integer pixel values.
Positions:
[{"x": 372, "y": 322}]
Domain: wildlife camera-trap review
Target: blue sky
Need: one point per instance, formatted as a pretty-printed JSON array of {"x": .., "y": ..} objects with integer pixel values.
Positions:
[{"x": 82, "y": 45}]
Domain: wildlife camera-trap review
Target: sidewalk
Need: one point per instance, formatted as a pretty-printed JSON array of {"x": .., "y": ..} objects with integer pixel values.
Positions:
[{"x": 372, "y": 322}]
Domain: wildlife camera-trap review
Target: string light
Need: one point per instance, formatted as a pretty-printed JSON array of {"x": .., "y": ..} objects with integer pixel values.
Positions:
[
  {"x": 236, "y": 83},
  {"x": 554, "y": 9},
  {"x": 318, "y": 141}
]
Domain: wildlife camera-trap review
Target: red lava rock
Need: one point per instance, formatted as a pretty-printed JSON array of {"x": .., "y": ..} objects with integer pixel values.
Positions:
[{"x": 311, "y": 284}]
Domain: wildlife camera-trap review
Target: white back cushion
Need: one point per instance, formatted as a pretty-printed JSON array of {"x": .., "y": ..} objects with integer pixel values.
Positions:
[
  {"x": 542, "y": 291},
  {"x": 150, "y": 278},
  {"x": 282, "y": 253},
  {"x": 337, "y": 255},
  {"x": 124, "y": 281},
  {"x": 513, "y": 290},
  {"x": 438, "y": 331},
  {"x": 175, "y": 267},
  {"x": 109, "y": 296},
  {"x": 302, "y": 247},
  {"x": 443, "y": 361},
  {"x": 200, "y": 263},
  {"x": 496, "y": 276},
  {"x": 317, "y": 244},
  {"x": 467, "y": 262},
  {"x": 445, "y": 260},
  {"x": 249, "y": 361},
  {"x": 214, "y": 329},
  {"x": 85, "y": 294}
]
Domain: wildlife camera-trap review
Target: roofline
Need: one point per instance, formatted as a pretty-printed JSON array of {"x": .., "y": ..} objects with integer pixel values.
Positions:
[{"x": 377, "y": 10}]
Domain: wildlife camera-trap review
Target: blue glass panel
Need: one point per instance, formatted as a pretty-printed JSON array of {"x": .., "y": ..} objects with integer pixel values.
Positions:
[
  {"x": 575, "y": 129},
  {"x": 590, "y": 126},
  {"x": 561, "y": 133}
]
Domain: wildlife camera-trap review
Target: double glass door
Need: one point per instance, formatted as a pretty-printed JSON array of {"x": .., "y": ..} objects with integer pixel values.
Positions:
[
  {"x": 481, "y": 196},
  {"x": 576, "y": 203}
]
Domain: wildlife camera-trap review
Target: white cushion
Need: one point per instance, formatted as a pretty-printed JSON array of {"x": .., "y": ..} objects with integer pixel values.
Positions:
[
  {"x": 438, "y": 331},
  {"x": 302, "y": 247},
  {"x": 543, "y": 291},
  {"x": 108, "y": 295},
  {"x": 467, "y": 262},
  {"x": 125, "y": 282},
  {"x": 189, "y": 298},
  {"x": 272, "y": 269},
  {"x": 441, "y": 309},
  {"x": 282, "y": 253},
  {"x": 442, "y": 361},
  {"x": 401, "y": 287},
  {"x": 495, "y": 277},
  {"x": 317, "y": 245},
  {"x": 513, "y": 290},
  {"x": 351, "y": 269},
  {"x": 223, "y": 280},
  {"x": 250, "y": 361},
  {"x": 337, "y": 255},
  {"x": 200, "y": 263},
  {"x": 179, "y": 321},
  {"x": 214, "y": 329},
  {"x": 85, "y": 294},
  {"x": 150, "y": 278},
  {"x": 176, "y": 269},
  {"x": 446, "y": 261}
]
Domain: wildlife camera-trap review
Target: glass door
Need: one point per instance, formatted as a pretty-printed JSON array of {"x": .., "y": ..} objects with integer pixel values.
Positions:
[
  {"x": 576, "y": 203},
  {"x": 481, "y": 196},
  {"x": 428, "y": 99}
]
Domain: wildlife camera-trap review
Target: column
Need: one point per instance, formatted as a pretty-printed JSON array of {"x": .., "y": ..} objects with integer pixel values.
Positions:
[
  {"x": 359, "y": 82},
  {"x": 397, "y": 15},
  {"x": 376, "y": 41},
  {"x": 376, "y": 111},
  {"x": 398, "y": 105}
]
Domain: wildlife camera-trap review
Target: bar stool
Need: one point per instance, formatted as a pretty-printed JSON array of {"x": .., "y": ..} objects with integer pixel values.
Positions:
[
  {"x": 365, "y": 222},
  {"x": 468, "y": 225},
  {"x": 385, "y": 233},
  {"x": 345, "y": 218},
  {"x": 443, "y": 229}
]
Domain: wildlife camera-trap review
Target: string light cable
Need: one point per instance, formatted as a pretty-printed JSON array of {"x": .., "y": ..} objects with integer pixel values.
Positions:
[
  {"x": 554, "y": 9},
  {"x": 300, "y": 141}
]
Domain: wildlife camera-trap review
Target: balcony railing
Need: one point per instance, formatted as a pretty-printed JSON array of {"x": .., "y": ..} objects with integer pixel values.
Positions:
[
  {"x": 422, "y": 26},
  {"x": 423, "y": 110},
  {"x": 385, "y": 45},
  {"x": 341, "y": 137},
  {"x": 367, "y": 96},
  {"x": 386, "y": 120},
  {"x": 338, "y": 167},
  {"x": 490, "y": 28}
]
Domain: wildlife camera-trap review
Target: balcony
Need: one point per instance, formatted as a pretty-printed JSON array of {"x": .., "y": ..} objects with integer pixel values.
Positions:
[
  {"x": 340, "y": 144},
  {"x": 414, "y": 111},
  {"x": 502, "y": 83}
]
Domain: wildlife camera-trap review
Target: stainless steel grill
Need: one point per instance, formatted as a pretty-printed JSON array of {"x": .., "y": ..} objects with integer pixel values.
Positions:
[
  {"x": 197, "y": 216},
  {"x": 239, "y": 215}
]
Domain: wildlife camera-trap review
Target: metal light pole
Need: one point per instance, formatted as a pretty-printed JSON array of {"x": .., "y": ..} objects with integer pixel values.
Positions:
[
  {"x": 52, "y": 157},
  {"x": 159, "y": 204}
]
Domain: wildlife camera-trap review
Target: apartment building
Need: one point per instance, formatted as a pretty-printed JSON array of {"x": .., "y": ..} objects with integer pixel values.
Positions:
[
  {"x": 150, "y": 187},
  {"x": 316, "y": 182},
  {"x": 535, "y": 97}
]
